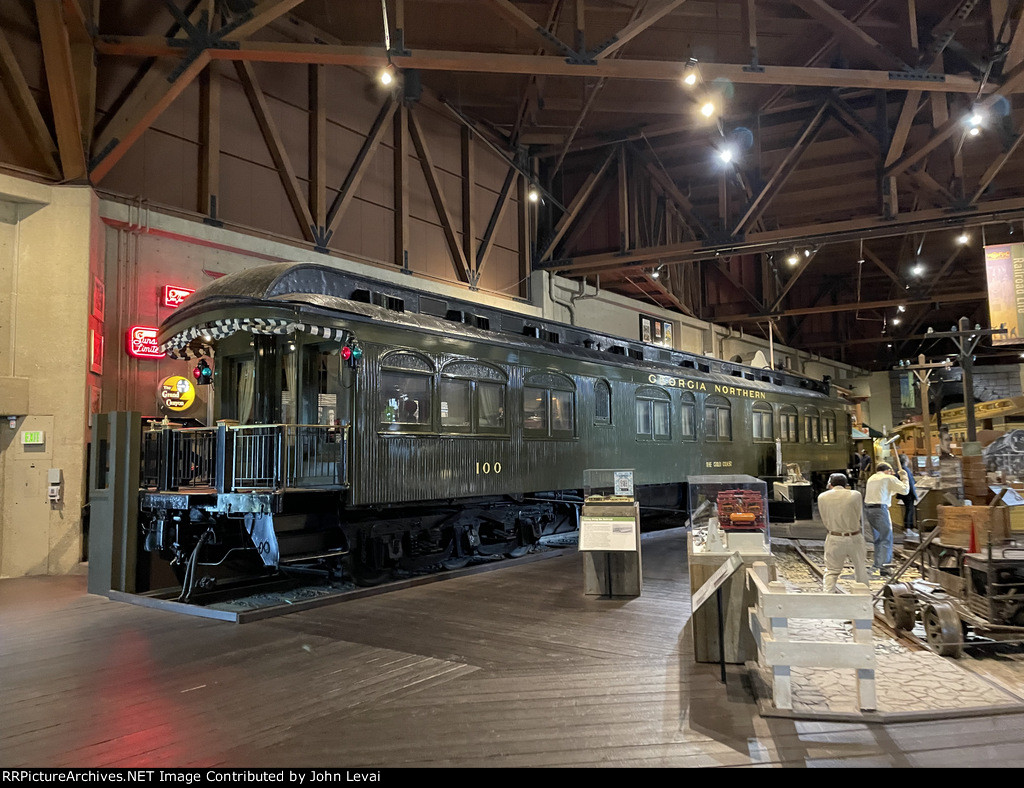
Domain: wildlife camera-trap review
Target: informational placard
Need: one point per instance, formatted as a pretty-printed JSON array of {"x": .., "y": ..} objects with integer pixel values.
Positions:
[
  {"x": 713, "y": 583},
  {"x": 624, "y": 483},
  {"x": 607, "y": 534}
]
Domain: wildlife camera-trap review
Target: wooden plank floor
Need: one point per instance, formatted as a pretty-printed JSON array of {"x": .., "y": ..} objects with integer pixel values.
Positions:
[{"x": 510, "y": 668}]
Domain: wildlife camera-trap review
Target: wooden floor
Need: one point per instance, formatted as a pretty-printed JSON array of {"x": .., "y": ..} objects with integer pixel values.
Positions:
[{"x": 509, "y": 668}]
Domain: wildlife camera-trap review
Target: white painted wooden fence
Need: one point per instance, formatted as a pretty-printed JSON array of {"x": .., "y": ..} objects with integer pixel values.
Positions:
[{"x": 779, "y": 653}]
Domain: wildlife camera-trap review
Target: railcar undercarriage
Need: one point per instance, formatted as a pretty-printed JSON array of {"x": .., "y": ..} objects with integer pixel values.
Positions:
[{"x": 212, "y": 540}]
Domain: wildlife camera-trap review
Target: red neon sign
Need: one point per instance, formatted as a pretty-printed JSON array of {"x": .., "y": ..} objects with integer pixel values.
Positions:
[
  {"x": 141, "y": 342},
  {"x": 174, "y": 295}
]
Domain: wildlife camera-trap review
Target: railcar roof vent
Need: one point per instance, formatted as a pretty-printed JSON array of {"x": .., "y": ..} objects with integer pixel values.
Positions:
[
  {"x": 637, "y": 354},
  {"x": 704, "y": 367},
  {"x": 379, "y": 299},
  {"x": 531, "y": 331},
  {"x": 688, "y": 363},
  {"x": 618, "y": 350},
  {"x": 551, "y": 336},
  {"x": 469, "y": 319},
  {"x": 433, "y": 306}
]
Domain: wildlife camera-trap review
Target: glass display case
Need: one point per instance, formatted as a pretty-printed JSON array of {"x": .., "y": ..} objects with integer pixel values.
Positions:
[{"x": 729, "y": 512}]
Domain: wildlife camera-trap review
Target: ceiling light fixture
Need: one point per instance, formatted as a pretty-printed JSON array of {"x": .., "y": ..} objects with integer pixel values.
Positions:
[
  {"x": 708, "y": 109},
  {"x": 963, "y": 238},
  {"x": 690, "y": 72},
  {"x": 534, "y": 195},
  {"x": 793, "y": 259}
]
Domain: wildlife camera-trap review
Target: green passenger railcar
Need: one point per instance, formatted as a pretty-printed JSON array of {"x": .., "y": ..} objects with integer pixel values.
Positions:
[{"x": 362, "y": 427}]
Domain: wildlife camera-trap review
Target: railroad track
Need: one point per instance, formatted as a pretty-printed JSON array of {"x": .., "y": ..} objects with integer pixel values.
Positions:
[{"x": 908, "y": 639}]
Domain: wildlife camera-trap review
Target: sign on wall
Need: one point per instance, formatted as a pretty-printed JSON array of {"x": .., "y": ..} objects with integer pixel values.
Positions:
[
  {"x": 177, "y": 393},
  {"x": 141, "y": 342},
  {"x": 175, "y": 295},
  {"x": 1004, "y": 267}
]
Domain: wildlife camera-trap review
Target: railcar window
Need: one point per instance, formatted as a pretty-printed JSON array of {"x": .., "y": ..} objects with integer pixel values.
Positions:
[
  {"x": 828, "y": 427},
  {"x": 811, "y": 424},
  {"x": 787, "y": 424},
  {"x": 689, "y": 417},
  {"x": 653, "y": 414},
  {"x": 602, "y": 402},
  {"x": 320, "y": 384},
  {"x": 717, "y": 419},
  {"x": 763, "y": 419},
  {"x": 406, "y": 388},
  {"x": 473, "y": 402},
  {"x": 549, "y": 406}
]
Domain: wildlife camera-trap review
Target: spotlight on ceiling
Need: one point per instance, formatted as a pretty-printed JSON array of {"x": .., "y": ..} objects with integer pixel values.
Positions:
[
  {"x": 918, "y": 269},
  {"x": 690, "y": 72},
  {"x": 963, "y": 238},
  {"x": 726, "y": 154},
  {"x": 708, "y": 109},
  {"x": 896, "y": 321},
  {"x": 386, "y": 76},
  {"x": 793, "y": 259},
  {"x": 533, "y": 195}
]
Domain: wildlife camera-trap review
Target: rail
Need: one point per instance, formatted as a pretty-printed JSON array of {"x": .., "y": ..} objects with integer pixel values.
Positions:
[
  {"x": 778, "y": 652},
  {"x": 234, "y": 458}
]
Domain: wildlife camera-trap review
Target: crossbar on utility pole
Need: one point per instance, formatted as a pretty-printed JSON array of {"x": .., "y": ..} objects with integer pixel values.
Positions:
[
  {"x": 966, "y": 339},
  {"x": 923, "y": 372}
]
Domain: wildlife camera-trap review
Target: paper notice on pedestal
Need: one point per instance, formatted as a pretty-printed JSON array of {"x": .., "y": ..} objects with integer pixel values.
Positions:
[{"x": 607, "y": 533}]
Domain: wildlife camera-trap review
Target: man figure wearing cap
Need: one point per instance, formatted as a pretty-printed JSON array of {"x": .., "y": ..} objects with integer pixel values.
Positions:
[
  {"x": 841, "y": 512},
  {"x": 881, "y": 487}
]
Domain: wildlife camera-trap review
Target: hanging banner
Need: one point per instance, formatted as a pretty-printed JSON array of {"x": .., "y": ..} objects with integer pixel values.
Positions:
[{"x": 1004, "y": 267}]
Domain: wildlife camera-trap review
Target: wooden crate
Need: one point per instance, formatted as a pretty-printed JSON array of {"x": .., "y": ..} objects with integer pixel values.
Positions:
[{"x": 987, "y": 522}]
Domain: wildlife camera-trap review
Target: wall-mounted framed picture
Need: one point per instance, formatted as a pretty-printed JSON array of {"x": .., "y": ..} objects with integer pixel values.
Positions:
[
  {"x": 655, "y": 331},
  {"x": 99, "y": 298}
]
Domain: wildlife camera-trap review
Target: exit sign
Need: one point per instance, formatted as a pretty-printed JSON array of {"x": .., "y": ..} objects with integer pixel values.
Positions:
[{"x": 32, "y": 437}]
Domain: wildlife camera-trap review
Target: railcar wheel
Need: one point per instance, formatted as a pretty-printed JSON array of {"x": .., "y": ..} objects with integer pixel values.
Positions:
[
  {"x": 942, "y": 629},
  {"x": 898, "y": 604}
]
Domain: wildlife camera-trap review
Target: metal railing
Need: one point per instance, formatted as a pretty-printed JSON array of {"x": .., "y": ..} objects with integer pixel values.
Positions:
[{"x": 230, "y": 458}]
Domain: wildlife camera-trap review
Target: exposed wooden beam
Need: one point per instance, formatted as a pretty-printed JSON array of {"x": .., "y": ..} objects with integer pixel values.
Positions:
[
  {"x": 801, "y": 267},
  {"x": 761, "y": 201},
  {"x": 636, "y": 26},
  {"x": 359, "y": 166},
  {"x": 868, "y": 254},
  {"x": 437, "y": 195},
  {"x": 25, "y": 106},
  {"x": 578, "y": 201},
  {"x": 262, "y": 15},
  {"x": 948, "y": 298},
  {"x": 209, "y": 141},
  {"x": 503, "y": 63},
  {"x": 848, "y": 32},
  {"x": 60, "y": 79},
  {"x": 500, "y": 205},
  {"x": 541, "y": 35},
  {"x": 318, "y": 149},
  {"x": 400, "y": 191},
  {"x": 769, "y": 240},
  {"x": 276, "y": 148},
  {"x": 468, "y": 150}
]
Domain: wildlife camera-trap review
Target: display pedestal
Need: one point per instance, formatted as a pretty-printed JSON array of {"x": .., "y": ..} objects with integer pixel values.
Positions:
[
  {"x": 616, "y": 571},
  {"x": 800, "y": 494},
  {"x": 736, "y": 599}
]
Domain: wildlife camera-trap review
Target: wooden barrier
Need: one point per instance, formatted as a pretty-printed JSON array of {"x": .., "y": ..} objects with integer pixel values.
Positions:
[{"x": 776, "y": 651}]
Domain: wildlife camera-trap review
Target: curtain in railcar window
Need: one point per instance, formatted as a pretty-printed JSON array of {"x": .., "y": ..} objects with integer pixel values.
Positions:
[
  {"x": 535, "y": 409},
  {"x": 653, "y": 414},
  {"x": 763, "y": 422},
  {"x": 490, "y": 399},
  {"x": 787, "y": 424},
  {"x": 602, "y": 402},
  {"x": 689, "y": 418},
  {"x": 717, "y": 419},
  {"x": 455, "y": 399}
]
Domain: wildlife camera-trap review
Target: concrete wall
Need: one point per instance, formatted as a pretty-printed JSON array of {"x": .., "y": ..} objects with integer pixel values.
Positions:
[{"x": 47, "y": 256}]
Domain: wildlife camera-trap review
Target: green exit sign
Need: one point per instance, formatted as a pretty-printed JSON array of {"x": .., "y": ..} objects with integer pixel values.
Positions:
[{"x": 32, "y": 438}]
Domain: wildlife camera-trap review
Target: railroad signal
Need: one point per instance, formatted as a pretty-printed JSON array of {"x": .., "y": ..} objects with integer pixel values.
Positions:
[
  {"x": 352, "y": 353},
  {"x": 202, "y": 373}
]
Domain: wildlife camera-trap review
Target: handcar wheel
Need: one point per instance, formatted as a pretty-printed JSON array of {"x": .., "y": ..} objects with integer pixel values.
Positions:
[
  {"x": 899, "y": 607},
  {"x": 942, "y": 629}
]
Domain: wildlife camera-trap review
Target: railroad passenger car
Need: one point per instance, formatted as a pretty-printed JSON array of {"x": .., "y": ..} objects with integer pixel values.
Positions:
[{"x": 361, "y": 427}]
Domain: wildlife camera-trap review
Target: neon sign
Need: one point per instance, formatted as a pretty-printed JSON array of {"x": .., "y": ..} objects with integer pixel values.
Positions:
[
  {"x": 141, "y": 342},
  {"x": 174, "y": 295}
]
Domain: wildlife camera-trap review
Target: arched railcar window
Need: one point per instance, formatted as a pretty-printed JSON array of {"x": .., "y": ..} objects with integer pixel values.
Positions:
[
  {"x": 406, "y": 392},
  {"x": 717, "y": 419},
  {"x": 787, "y": 424},
  {"x": 763, "y": 422},
  {"x": 602, "y": 403},
  {"x": 653, "y": 414},
  {"x": 812, "y": 422},
  {"x": 472, "y": 398},
  {"x": 688, "y": 417},
  {"x": 549, "y": 406},
  {"x": 828, "y": 427}
]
